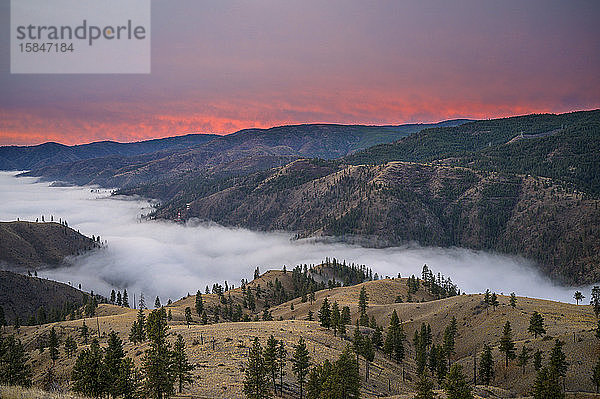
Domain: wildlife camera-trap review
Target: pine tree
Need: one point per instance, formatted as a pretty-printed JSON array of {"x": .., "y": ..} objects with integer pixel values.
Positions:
[
  {"x": 486, "y": 365},
  {"x": 363, "y": 300},
  {"x": 325, "y": 314},
  {"x": 204, "y": 318},
  {"x": 536, "y": 325},
  {"x": 256, "y": 380},
  {"x": 368, "y": 352},
  {"x": 270, "y": 359},
  {"x": 595, "y": 300},
  {"x": 281, "y": 360},
  {"x": 558, "y": 360},
  {"x": 523, "y": 357},
  {"x": 125, "y": 299},
  {"x": 335, "y": 317},
  {"x": 181, "y": 366},
  {"x": 199, "y": 303},
  {"x": 507, "y": 346},
  {"x": 142, "y": 302},
  {"x": 537, "y": 360},
  {"x": 188, "y": 316},
  {"x": 456, "y": 386},
  {"x": 346, "y": 381},
  {"x": 70, "y": 346},
  {"x": 169, "y": 315},
  {"x": 157, "y": 303},
  {"x": 14, "y": 362},
  {"x": 300, "y": 363},
  {"x": 394, "y": 340},
  {"x": 157, "y": 365},
  {"x": 596, "y": 375},
  {"x": 546, "y": 385},
  {"x": 513, "y": 300},
  {"x": 317, "y": 378},
  {"x": 449, "y": 341},
  {"x": 84, "y": 331},
  {"x": 494, "y": 300},
  {"x": 112, "y": 297},
  {"x": 117, "y": 371},
  {"x": 138, "y": 329},
  {"x": 424, "y": 388},
  {"x": 53, "y": 345},
  {"x": 578, "y": 296},
  {"x": 88, "y": 372}
]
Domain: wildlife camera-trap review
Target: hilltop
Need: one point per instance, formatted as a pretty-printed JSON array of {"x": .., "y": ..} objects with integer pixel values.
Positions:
[
  {"x": 242, "y": 152},
  {"x": 220, "y": 350},
  {"x": 37, "y": 300},
  {"x": 29, "y": 246}
]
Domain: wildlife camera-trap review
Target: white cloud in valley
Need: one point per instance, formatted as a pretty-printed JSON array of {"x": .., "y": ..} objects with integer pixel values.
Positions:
[{"x": 170, "y": 260}]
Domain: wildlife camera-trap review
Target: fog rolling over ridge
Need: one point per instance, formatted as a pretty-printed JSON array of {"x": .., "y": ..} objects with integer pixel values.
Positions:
[{"x": 170, "y": 260}]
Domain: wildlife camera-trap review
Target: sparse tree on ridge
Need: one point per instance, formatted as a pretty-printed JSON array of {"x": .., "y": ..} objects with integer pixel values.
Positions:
[
  {"x": 199, "y": 303},
  {"x": 325, "y": 314},
  {"x": 456, "y": 385},
  {"x": 157, "y": 303},
  {"x": 523, "y": 357},
  {"x": 188, "y": 316},
  {"x": 578, "y": 296},
  {"x": 270, "y": 360},
  {"x": 513, "y": 300}
]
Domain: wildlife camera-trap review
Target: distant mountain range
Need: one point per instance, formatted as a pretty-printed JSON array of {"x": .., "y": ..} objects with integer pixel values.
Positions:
[
  {"x": 525, "y": 185},
  {"x": 125, "y": 165}
]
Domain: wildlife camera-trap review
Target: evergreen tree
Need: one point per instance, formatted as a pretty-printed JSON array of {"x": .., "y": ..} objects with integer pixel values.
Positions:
[
  {"x": 53, "y": 345},
  {"x": 424, "y": 388},
  {"x": 199, "y": 303},
  {"x": 169, "y": 315},
  {"x": 537, "y": 360},
  {"x": 345, "y": 381},
  {"x": 14, "y": 366},
  {"x": 300, "y": 363},
  {"x": 70, "y": 346},
  {"x": 256, "y": 380},
  {"x": 536, "y": 325},
  {"x": 85, "y": 332},
  {"x": 317, "y": 378},
  {"x": 138, "y": 329},
  {"x": 157, "y": 303},
  {"x": 88, "y": 372},
  {"x": 394, "y": 340},
  {"x": 523, "y": 357},
  {"x": 513, "y": 300},
  {"x": 281, "y": 360},
  {"x": 363, "y": 300},
  {"x": 558, "y": 360},
  {"x": 456, "y": 386},
  {"x": 507, "y": 345},
  {"x": 368, "y": 352},
  {"x": 494, "y": 301},
  {"x": 578, "y": 296},
  {"x": 181, "y": 366},
  {"x": 486, "y": 365},
  {"x": 595, "y": 300},
  {"x": 157, "y": 364},
  {"x": 335, "y": 317},
  {"x": 188, "y": 316},
  {"x": 546, "y": 385},
  {"x": 325, "y": 314},
  {"x": 112, "y": 297},
  {"x": 204, "y": 318},
  {"x": 119, "y": 299},
  {"x": 270, "y": 360},
  {"x": 596, "y": 375},
  {"x": 449, "y": 341},
  {"x": 125, "y": 299},
  {"x": 118, "y": 370},
  {"x": 142, "y": 302}
]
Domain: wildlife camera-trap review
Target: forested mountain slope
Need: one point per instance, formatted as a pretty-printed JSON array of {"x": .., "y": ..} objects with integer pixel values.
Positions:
[{"x": 400, "y": 202}]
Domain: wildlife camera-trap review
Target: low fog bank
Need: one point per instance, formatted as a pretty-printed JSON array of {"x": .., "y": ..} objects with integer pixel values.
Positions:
[{"x": 170, "y": 260}]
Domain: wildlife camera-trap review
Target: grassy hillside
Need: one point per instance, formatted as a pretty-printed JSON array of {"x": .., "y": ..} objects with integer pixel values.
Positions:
[
  {"x": 27, "y": 246},
  {"x": 220, "y": 350},
  {"x": 398, "y": 202},
  {"x": 37, "y": 300}
]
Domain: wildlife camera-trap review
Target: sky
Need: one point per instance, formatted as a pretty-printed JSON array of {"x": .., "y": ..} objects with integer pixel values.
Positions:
[
  {"x": 169, "y": 260},
  {"x": 220, "y": 66}
]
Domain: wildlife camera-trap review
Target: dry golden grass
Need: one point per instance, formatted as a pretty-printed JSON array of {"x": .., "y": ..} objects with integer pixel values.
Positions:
[
  {"x": 220, "y": 371},
  {"x": 13, "y": 392}
]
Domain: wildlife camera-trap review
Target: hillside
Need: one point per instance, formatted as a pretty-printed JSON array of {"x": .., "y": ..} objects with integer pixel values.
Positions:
[
  {"x": 220, "y": 350},
  {"x": 241, "y": 152},
  {"x": 37, "y": 299},
  {"x": 400, "y": 202},
  {"x": 561, "y": 146},
  {"x": 47, "y": 154},
  {"x": 29, "y": 246}
]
